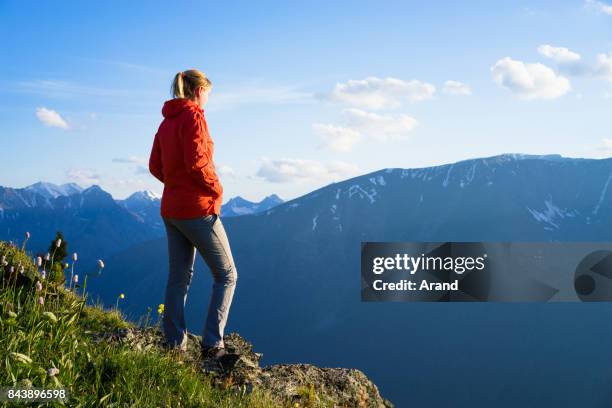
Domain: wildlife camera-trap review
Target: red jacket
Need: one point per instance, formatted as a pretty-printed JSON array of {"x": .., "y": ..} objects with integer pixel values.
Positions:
[{"x": 182, "y": 159}]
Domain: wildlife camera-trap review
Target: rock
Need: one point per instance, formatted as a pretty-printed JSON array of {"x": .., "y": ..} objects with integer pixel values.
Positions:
[
  {"x": 346, "y": 387},
  {"x": 305, "y": 383}
]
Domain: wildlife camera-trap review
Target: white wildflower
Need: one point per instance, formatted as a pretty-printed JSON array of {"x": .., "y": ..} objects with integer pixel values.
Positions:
[{"x": 52, "y": 372}]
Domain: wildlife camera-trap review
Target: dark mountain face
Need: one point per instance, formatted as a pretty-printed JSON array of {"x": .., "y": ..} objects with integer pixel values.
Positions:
[
  {"x": 240, "y": 206},
  {"x": 93, "y": 224},
  {"x": 145, "y": 205},
  {"x": 298, "y": 291},
  {"x": 317, "y": 237}
]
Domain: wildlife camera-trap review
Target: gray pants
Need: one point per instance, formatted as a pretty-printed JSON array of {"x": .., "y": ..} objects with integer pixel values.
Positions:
[{"x": 207, "y": 235}]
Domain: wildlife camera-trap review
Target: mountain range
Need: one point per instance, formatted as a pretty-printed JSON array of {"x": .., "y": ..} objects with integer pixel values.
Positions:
[
  {"x": 298, "y": 288},
  {"x": 92, "y": 221},
  {"x": 239, "y": 206}
]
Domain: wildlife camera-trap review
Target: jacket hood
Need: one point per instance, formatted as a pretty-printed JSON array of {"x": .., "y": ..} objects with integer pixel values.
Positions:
[{"x": 175, "y": 106}]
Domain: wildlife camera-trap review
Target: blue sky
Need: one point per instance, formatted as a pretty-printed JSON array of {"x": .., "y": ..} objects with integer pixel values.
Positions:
[{"x": 304, "y": 93}]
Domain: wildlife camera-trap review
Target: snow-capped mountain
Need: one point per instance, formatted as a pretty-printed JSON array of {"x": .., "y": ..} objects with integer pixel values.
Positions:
[
  {"x": 239, "y": 206},
  {"x": 547, "y": 197},
  {"x": 299, "y": 261},
  {"x": 140, "y": 197},
  {"x": 91, "y": 221},
  {"x": 306, "y": 251},
  {"x": 50, "y": 190},
  {"x": 316, "y": 237},
  {"x": 145, "y": 205},
  {"x": 100, "y": 224},
  {"x": 304, "y": 254}
]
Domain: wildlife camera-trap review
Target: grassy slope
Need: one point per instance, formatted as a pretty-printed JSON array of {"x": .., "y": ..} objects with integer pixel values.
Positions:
[{"x": 97, "y": 374}]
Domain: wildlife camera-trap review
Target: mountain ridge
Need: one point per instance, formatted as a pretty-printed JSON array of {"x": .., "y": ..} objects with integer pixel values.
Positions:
[{"x": 306, "y": 253}]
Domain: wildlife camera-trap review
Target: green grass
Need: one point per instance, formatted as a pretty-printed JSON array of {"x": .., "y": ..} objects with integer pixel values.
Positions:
[{"x": 57, "y": 335}]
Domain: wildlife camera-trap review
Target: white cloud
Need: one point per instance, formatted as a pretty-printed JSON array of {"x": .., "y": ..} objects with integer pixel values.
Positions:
[
  {"x": 529, "y": 81},
  {"x": 361, "y": 125},
  {"x": 603, "y": 68},
  {"x": 379, "y": 93},
  {"x": 456, "y": 88},
  {"x": 568, "y": 61},
  {"x": 127, "y": 182},
  {"x": 600, "y": 6},
  {"x": 560, "y": 55},
  {"x": 141, "y": 170},
  {"x": 225, "y": 171},
  {"x": 606, "y": 145},
  {"x": 131, "y": 160},
  {"x": 134, "y": 183},
  {"x": 336, "y": 138},
  {"x": 571, "y": 62},
  {"x": 301, "y": 170},
  {"x": 380, "y": 127},
  {"x": 51, "y": 118},
  {"x": 83, "y": 176},
  {"x": 604, "y": 149}
]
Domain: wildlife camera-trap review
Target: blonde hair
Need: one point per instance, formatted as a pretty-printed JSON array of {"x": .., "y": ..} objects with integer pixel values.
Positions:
[{"x": 187, "y": 82}]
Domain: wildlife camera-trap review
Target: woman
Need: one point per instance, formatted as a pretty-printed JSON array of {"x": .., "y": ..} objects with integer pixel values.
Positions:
[{"x": 182, "y": 159}]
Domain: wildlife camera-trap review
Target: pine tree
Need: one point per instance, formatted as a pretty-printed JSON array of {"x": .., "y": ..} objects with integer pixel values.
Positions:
[{"x": 58, "y": 253}]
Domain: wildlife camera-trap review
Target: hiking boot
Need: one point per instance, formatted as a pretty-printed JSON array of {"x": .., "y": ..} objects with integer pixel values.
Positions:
[
  {"x": 213, "y": 353},
  {"x": 218, "y": 357}
]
